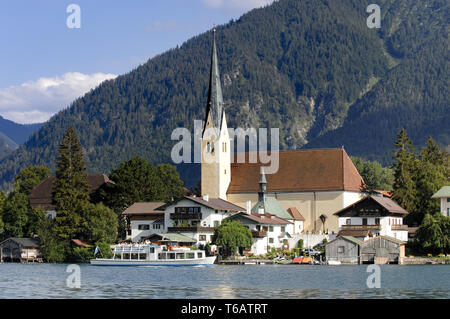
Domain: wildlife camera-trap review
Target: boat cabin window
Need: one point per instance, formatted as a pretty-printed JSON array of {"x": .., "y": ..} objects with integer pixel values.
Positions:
[
  {"x": 199, "y": 255},
  {"x": 134, "y": 256},
  {"x": 152, "y": 250},
  {"x": 162, "y": 256},
  {"x": 180, "y": 255},
  {"x": 171, "y": 256},
  {"x": 190, "y": 255},
  {"x": 126, "y": 256},
  {"x": 142, "y": 256}
]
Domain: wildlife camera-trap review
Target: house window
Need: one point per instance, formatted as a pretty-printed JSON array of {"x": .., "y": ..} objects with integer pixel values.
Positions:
[
  {"x": 270, "y": 240},
  {"x": 341, "y": 249},
  {"x": 216, "y": 223},
  {"x": 364, "y": 221},
  {"x": 143, "y": 227},
  {"x": 270, "y": 228},
  {"x": 348, "y": 221},
  {"x": 156, "y": 226},
  {"x": 208, "y": 147},
  {"x": 448, "y": 212},
  {"x": 448, "y": 200},
  {"x": 202, "y": 237},
  {"x": 258, "y": 228},
  {"x": 224, "y": 147},
  {"x": 377, "y": 221},
  {"x": 283, "y": 229}
]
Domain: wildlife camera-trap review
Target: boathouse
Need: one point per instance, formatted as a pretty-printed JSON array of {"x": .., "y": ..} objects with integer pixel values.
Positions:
[
  {"x": 345, "y": 249},
  {"x": 382, "y": 250},
  {"x": 20, "y": 250}
]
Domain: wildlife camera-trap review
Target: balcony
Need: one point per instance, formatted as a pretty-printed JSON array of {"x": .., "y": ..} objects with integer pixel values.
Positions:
[
  {"x": 258, "y": 234},
  {"x": 361, "y": 227},
  {"x": 191, "y": 229},
  {"x": 195, "y": 216},
  {"x": 399, "y": 227}
]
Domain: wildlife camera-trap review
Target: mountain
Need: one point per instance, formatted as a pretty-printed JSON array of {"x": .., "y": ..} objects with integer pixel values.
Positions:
[
  {"x": 13, "y": 134},
  {"x": 311, "y": 68}
]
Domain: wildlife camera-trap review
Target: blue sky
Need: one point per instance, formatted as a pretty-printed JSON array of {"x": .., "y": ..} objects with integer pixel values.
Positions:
[{"x": 45, "y": 65}]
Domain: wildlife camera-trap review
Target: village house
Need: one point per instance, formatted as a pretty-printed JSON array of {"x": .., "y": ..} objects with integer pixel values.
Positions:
[
  {"x": 42, "y": 195},
  {"x": 196, "y": 217},
  {"x": 373, "y": 216},
  {"x": 316, "y": 183},
  {"x": 143, "y": 220},
  {"x": 444, "y": 196}
]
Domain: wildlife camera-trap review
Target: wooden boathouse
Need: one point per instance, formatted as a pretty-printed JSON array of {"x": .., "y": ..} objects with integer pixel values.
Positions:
[{"x": 20, "y": 250}]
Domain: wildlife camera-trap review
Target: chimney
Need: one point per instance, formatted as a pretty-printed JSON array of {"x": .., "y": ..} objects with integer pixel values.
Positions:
[
  {"x": 249, "y": 207},
  {"x": 261, "y": 210},
  {"x": 206, "y": 197}
]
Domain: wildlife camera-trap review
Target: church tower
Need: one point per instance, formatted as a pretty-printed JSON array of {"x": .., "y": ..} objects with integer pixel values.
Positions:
[{"x": 216, "y": 162}]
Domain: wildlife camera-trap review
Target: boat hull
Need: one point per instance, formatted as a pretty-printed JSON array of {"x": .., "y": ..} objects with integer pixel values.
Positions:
[{"x": 207, "y": 261}]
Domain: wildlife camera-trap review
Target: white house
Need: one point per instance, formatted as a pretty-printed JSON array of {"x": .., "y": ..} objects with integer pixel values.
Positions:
[
  {"x": 373, "y": 216},
  {"x": 197, "y": 217},
  {"x": 444, "y": 195},
  {"x": 144, "y": 220}
]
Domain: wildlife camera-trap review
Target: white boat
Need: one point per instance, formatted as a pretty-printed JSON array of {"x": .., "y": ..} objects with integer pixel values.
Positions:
[
  {"x": 333, "y": 262},
  {"x": 152, "y": 255}
]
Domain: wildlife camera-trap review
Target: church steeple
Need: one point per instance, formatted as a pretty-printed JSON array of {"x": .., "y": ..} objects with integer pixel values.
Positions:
[
  {"x": 262, "y": 187},
  {"x": 214, "y": 105}
]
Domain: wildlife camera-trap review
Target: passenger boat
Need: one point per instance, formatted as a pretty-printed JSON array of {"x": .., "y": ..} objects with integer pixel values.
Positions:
[{"x": 153, "y": 255}]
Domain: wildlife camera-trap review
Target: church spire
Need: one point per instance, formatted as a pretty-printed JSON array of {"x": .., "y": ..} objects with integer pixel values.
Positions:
[
  {"x": 262, "y": 187},
  {"x": 215, "y": 98}
]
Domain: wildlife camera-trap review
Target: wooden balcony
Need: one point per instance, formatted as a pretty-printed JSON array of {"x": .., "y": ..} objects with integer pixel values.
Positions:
[
  {"x": 192, "y": 229},
  {"x": 399, "y": 227},
  {"x": 259, "y": 234},
  {"x": 361, "y": 227},
  {"x": 195, "y": 216}
]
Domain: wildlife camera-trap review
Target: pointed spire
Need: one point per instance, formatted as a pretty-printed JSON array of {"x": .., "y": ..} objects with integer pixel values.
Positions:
[{"x": 215, "y": 98}]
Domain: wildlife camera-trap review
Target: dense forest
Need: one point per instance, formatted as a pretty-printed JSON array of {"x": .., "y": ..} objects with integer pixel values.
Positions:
[{"x": 312, "y": 68}]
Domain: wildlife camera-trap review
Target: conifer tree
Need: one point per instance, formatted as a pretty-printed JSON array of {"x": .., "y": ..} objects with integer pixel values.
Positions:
[
  {"x": 405, "y": 190},
  {"x": 71, "y": 190}
]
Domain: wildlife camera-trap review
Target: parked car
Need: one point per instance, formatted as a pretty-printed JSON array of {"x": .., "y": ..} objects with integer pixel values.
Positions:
[{"x": 310, "y": 251}]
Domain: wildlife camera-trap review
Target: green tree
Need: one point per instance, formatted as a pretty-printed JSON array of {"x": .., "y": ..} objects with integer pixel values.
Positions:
[
  {"x": 431, "y": 176},
  {"x": 71, "y": 188},
  {"x": 30, "y": 177},
  {"x": 433, "y": 234},
  {"x": 405, "y": 188},
  {"x": 16, "y": 215},
  {"x": 135, "y": 180},
  {"x": 172, "y": 186},
  {"x": 375, "y": 176},
  {"x": 101, "y": 224},
  {"x": 53, "y": 249},
  {"x": 232, "y": 235}
]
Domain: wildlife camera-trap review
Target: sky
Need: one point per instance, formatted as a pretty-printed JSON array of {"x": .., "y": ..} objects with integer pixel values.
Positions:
[{"x": 45, "y": 65}]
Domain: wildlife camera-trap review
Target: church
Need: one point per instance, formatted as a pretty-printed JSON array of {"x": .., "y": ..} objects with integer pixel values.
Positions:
[{"x": 314, "y": 183}]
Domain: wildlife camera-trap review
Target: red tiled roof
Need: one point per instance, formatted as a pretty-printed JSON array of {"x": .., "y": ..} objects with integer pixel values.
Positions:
[
  {"x": 295, "y": 214},
  {"x": 300, "y": 170},
  {"x": 41, "y": 195},
  {"x": 355, "y": 233},
  {"x": 384, "y": 193},
  {"x": 80, "y": 243}
]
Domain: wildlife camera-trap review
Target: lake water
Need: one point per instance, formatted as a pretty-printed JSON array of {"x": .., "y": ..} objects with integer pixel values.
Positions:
[{"x": 220, "y": 281}]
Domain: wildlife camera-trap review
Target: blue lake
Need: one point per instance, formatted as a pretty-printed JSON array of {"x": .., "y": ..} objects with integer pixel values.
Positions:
[{"x": 220, "y": 281}]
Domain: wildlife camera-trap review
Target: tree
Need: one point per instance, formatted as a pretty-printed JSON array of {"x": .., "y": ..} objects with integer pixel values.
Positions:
[
  {"x": 172, "y": 186},
  {"x": 71, "y": 190},
  {"x": 434, "y": 233},
  {"x": 431, "y": 176},
  {"x": 30, "y": 177},
  {"x": 405, "y": 189},
  {"x": 375, "y": 176},
  {"x": 232, "y": 235},
  {"x": 52, "y": 247},
  {"x": 16, "y": 215},
  {"x": 101, "y": 224},
  {"x": 134, "y": 180}
]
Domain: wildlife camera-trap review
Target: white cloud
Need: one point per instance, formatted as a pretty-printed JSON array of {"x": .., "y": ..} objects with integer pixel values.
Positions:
[
  {"x": 236, "y": 4},
  {"x": 36, "y": 101}
]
